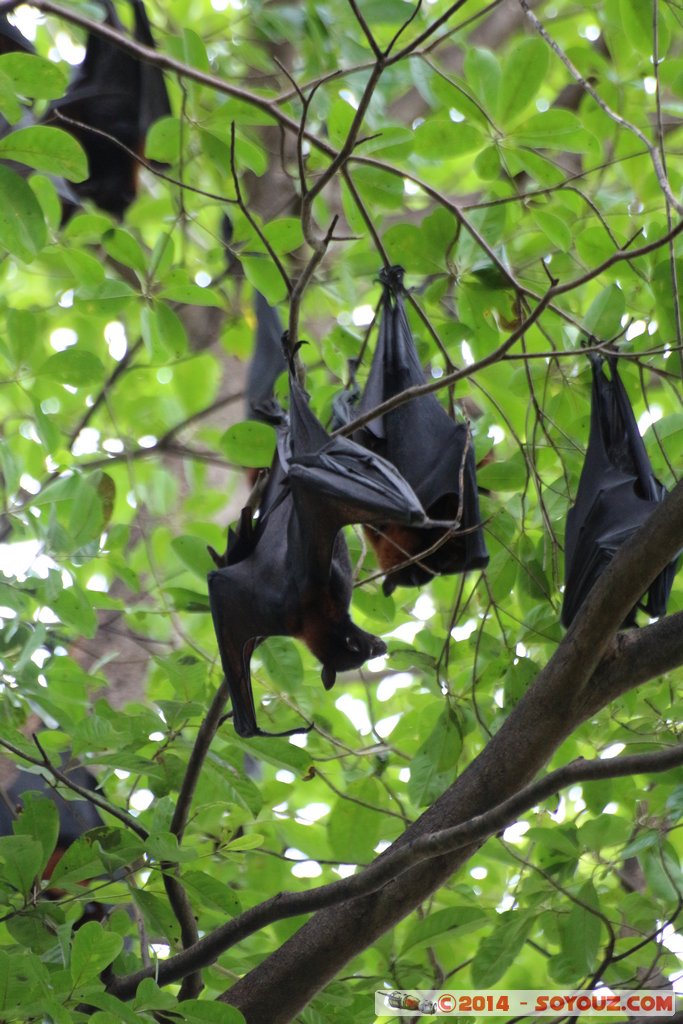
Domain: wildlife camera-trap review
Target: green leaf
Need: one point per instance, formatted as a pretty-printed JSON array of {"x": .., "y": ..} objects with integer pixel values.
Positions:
[
  {"x": 605, "y": 830},
  {"x": 10, "y": 107},
  {"x": 170, "y": 331},
  {"x": 22, "y": 861},
  {"x": 47, "y": 149},
  {"x": 22, "y": 224},
  {"x": 278, "y": 753},
  {"x": 85, "y": 269},
  {"x": 285, "y": 234},
  {"x": 440, "y": 137},
  {"x": 354, "y": 830},
  {"x": 482, "y": 71},
  {"x": 510, "y": 475},
  {"x": 433, "y": 767},
  {"x": 553, "y": 129},
  {"x": 187, "y": 674},
  {"x": 22, "y": 978},
  {"x": 81, "y": 862},
  {"x": 33, "y": 76},
  {"x": 250, "y": 443},
  {"x": 48, "y": 431},
  {"x": 39, "y": 819},
  {"x": 163, "y": 332},
  {"x": 339, "y": 121},
  {"x": 211, "y": 892},
  {"x": 112, "y": 1010},
  {"x": 499, "y": 950},
  {"x": 185, "y": 600},
  {"x": 196, "y": 1011},
  {"x": 179, "y": 287},
  {"x": 93, "y": 949},
  {"x": 636, "y": 23},
  {"x": 409, "y": 245},
  {"x": 523, "y": 73},
  {"x": 662, "y": 871},
  {"x": 123, "y": 247},
  {"x": 150, "y": 997},
  {"x": 580, "y": 931},
  {"x": 261, "y": 272},
  {"x": 555, "y": 229},
  {"x": 158, "y": 915},
  {"x": 163, "y": 846},
  {"x": 450, "y": 922},
  {"x": 379, "y": 188},
  {"x": 375, "y": 606},
  {"x": 74, "y": 366},
  {"x": 76, "y": 610},
  {"x": 282, "y": 659},
  {"x": 87, "y": 518},
  {"x": 487, "y": 163},
  {"x": 163, "y": 141},
  {"x": 603, "y": 319},
  {"x": 192, "y": 553},
  {"x": 248, "y": 841},
  {"x": 517, "y": 680}
]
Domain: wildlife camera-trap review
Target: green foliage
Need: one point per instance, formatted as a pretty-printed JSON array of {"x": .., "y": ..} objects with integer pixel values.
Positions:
[{"x": 122, "y": 355}]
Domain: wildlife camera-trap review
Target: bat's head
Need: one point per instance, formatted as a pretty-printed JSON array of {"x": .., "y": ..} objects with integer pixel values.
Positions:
[{"x": 345, "y": 646}]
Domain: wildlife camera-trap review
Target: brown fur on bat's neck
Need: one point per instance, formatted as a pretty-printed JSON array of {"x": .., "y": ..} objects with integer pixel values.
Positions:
[
  {"x": 316, "y": 621},
  {"x": 406, "y": 554}
]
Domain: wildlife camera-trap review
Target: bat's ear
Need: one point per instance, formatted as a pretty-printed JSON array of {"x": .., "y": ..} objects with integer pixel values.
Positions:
[{"x": 328, "y": 676}]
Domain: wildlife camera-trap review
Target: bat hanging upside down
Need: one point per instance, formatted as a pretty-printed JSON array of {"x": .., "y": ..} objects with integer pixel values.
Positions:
[
  {"x": 112, "y": 101},
  {"x": 434, "y": 454},
  {"x": 617, "y": 493},
  {"x": 288, "y": 573}
]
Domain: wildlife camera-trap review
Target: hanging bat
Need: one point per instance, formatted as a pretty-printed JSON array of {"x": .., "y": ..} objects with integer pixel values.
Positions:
[
  {"x": 75, "y": 818},
  {"x": 288, "y": 573},
  {"x": 432, "y": 452},
  {"x": 115, "y": 93},
  {"x": 617, "y": 493}
]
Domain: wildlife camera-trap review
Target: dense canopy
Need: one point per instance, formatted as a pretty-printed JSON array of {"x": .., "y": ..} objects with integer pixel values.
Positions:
[{"x": 522, "y": 163}]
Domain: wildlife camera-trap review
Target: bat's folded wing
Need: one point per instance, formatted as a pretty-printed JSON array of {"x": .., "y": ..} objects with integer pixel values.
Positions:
[
  {"x": 595, "y": 532},
  {"x": 361, "y": 487},
  {"x": 246, "y": 606}
]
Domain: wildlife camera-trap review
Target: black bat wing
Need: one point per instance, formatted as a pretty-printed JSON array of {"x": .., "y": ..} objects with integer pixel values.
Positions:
[
  {"x": 617, "y": 493},
  {"x": 251, "y": 598},
  {"x": 434, "y": 454},
  {"x": 267, "y": 363},
  {"x": 337, "y": 482}
]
